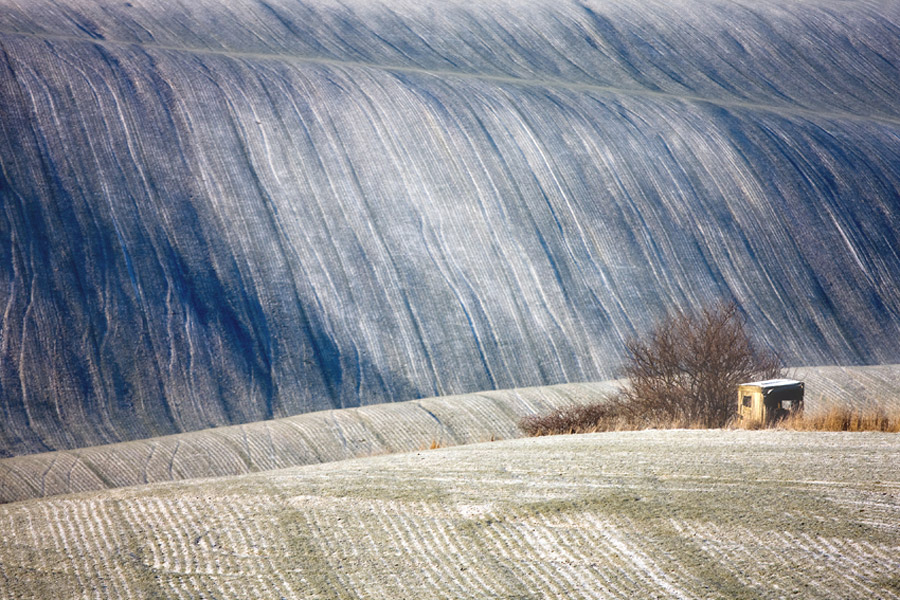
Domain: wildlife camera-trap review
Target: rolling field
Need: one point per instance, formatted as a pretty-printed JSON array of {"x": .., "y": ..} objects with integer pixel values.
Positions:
[
  {"x": 221, "y": 212},
  {"x": 380, "y": 429},
  {"x": 356, "y": 432},
  {"x": 258, "y": 257},
  {"x": 637, "y": 515},
  {"x": 304, "y": 439},
  {"x": 858, "y": 388}
]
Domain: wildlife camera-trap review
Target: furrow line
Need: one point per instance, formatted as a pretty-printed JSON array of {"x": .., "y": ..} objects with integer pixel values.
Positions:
[{"x": 510, "y": 542}]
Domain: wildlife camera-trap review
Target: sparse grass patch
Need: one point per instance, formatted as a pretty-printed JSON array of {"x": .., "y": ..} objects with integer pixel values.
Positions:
[
  {"x": 434, "y": 445},
  {"x": 843, "y": 419}
]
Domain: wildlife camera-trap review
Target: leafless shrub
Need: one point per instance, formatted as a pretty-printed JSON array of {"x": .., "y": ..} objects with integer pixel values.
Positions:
[
  {"x": 570, "y": 419},
  {"x": 605, "y": 415},
  {"x": 688, "y": 367}
]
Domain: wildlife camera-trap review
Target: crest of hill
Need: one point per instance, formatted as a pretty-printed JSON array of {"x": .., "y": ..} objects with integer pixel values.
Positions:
[
  {"x": 380, "y": 429},
  {"x": 300, "y": 440},
  {"x": 630, "y": 515},
  {"x": 217, "y": 212}
]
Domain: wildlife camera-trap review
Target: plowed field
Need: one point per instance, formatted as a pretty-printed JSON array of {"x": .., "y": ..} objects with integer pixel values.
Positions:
[{"x": 654, "y": 514}]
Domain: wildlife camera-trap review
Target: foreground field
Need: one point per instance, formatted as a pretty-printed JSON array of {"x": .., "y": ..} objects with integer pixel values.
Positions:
[{"x": 654, "y": 514}]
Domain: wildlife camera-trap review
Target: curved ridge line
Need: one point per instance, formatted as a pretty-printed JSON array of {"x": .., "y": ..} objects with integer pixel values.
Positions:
[{"x": 507, "y": 79}]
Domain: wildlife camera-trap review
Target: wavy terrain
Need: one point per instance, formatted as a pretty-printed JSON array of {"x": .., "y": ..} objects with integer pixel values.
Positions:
[
  {"x": 217, "y": 212},
  {"x": 299, "y": 440},
  {"x": 357, "y": 432},
  {"x": 637, "y": 515}
]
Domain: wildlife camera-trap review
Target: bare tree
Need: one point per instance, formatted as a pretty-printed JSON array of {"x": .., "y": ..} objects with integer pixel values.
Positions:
[
  {"x": 683, "y": 373},
  {"x": 686, "y": 370}
]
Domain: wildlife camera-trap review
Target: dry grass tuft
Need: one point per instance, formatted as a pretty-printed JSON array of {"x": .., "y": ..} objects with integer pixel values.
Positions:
[
  {"x": 610, "y": 416},
  {"x": 843, "y": 419},
  {"x": 434, "y": 445}
]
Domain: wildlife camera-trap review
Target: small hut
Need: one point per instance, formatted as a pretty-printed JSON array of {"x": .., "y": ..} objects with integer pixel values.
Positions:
[{"x": 769, "y": 401}]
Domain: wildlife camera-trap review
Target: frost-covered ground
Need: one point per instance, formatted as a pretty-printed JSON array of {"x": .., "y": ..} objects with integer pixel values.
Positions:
[
  {"x": 300, "y": 440},
  {"x": 637, "y": 515},
  {"x": 354, "y": 432}
]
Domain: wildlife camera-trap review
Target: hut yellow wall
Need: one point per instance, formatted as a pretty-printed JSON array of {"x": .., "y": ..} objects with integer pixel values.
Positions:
[{"x": 757, "y": 409}]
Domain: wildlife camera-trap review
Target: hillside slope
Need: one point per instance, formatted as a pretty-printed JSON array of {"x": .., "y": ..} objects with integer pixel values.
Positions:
[
  {"x": 223, "y": 212},
  {"x": 305, "y": 439},
  {"x": 356, "y": 432},
  {"x": 640, "y": 515}
]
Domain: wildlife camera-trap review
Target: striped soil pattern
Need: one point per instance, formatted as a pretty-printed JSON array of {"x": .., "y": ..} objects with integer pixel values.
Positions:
[
  {"x": 653, "y": 514},
  {"x": 301, "y": 440},
  {"x": 349, "y": 433},
  {"x": 218, "y": 212},
  {"x": 859, "y": 388}
]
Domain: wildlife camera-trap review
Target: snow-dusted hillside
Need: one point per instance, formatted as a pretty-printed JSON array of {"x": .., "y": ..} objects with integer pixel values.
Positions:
[
  {"x": 219, "y": 212},
  {"x": 335, "y": 435},
  {"x": 310, "y": 438}
]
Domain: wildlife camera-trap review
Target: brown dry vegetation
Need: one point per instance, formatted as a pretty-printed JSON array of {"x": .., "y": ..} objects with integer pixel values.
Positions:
[
  {"x": 596, "y": 418},
  {"x": 843, "y": 419},
  {"x": 603, "y": 416}
]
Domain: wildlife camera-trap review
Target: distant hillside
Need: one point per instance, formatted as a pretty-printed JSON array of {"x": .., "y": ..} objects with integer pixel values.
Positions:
[
  {"x": 217, "y": 212},
  {"x": 357, "y": 432},
  {"x": 641, "y": 515}
]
